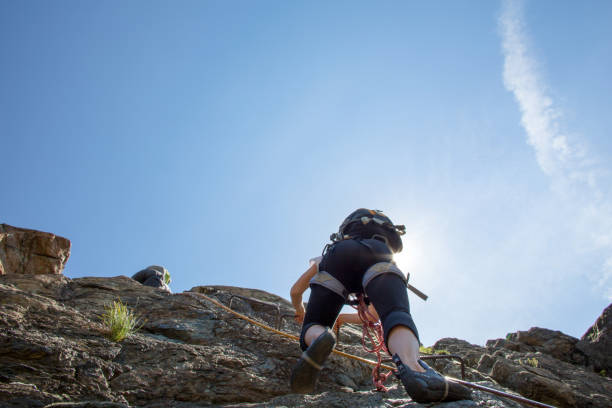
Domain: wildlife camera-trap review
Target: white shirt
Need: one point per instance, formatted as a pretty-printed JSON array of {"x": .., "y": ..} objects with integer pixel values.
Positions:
[{"x": 315, "y": 261}]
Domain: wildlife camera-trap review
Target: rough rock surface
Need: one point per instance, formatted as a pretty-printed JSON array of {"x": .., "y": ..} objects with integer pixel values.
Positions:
[
  {"x": 190, "y": 353},
  {"x": 540, "y": 364},
  {"x": 596, "y": 343},
  {"x": 25, "y": 251}
]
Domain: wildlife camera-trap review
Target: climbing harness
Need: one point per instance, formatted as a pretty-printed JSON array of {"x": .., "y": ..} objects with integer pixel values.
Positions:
[{"x": 327, "y": 280}]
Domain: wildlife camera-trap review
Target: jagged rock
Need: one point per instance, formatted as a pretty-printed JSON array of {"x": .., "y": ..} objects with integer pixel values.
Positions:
[
  {"x": 470, "y": 354},
  {"x": 596, "y": 343},
  {"x": 554, "y": 343},
  {"x": 25, "y": 251},
  {"x": 533, "y": 363}
]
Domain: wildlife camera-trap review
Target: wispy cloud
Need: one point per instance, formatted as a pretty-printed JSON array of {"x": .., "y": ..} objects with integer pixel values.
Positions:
[{"x": 575, "y": 174}]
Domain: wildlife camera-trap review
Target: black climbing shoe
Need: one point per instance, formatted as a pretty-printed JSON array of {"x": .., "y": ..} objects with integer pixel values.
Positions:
[
  {"x": 306, "y": 372},
  {"x": 429, "y": 386}
]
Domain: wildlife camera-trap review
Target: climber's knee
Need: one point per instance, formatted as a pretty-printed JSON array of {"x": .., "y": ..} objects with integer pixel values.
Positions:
[{"x": 305, "y": 328}]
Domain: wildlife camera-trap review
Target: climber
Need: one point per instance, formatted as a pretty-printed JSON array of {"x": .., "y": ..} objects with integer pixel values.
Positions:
[
  {"x": 155, "y": 276},
  {"x": 360, "y": 260}
]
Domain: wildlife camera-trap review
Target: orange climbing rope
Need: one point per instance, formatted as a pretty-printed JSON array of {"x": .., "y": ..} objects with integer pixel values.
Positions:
[{"x": 363, "y": 360}]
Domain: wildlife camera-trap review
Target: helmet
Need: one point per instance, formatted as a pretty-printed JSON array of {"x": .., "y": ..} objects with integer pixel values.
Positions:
[{"x": 364, "y": 223}]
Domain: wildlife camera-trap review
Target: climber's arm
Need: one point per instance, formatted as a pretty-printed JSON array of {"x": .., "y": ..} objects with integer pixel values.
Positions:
[
  {"x": 348, "y": 318},
  {"x": 298, "y": 289},
  {"x": 354, "y": 317}
]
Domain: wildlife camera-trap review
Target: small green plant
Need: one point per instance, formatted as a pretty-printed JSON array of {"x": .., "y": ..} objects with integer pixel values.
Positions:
[
  {"x": 594, "y": 335},
  {"x": 508, "y": 336},
  {"x": 430, "y": 350},
  {"x": 533, "y": 362},
  {"x": 167, "y": 279},
  {"x": 120, "y": 321},
  {"x": 603, "y": 373},
  {"x": 425, "y": 350}
]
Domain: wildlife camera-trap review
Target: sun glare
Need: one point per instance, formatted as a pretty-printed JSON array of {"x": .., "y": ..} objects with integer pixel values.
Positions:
[{"x": 411, "y": 257}]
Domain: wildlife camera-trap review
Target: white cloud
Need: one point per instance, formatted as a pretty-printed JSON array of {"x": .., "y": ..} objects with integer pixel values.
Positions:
[{"x": 575, "y": 174}]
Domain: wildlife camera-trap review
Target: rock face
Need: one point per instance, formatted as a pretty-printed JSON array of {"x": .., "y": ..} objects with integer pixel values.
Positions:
[
  {"x": 191, "y": 353},
  {"x": 25, "y": 251},
  {"x": 188, "y": 353},
  {"x": 596, "y": 343},
  {"x": 540, "y": 364}
]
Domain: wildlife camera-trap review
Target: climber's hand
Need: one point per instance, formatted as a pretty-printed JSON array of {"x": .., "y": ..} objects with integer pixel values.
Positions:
[
  {"x": 339, "y": 322},
  {"x": 299, "y": 313}
]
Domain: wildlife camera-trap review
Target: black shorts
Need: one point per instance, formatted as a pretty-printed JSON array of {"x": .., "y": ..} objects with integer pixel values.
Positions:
[{"x": 348, "y": 261}]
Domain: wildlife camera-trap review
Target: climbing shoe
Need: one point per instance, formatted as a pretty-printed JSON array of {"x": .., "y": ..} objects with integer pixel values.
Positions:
[
  {"x": 429, "y": 386},
  {"x": 306, "y": 372}
]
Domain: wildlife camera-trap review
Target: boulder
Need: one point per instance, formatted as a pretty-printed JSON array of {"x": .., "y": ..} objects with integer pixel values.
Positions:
[{"x": 25, "y": 251}]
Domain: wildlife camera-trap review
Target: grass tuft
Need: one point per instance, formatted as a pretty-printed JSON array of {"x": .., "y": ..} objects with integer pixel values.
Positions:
[
  {"x": 533, "y": 362},
  {"x": 119, "y": 321},
  {"x": 430, "y": 350},
  {"x": 595, "y": 334}
]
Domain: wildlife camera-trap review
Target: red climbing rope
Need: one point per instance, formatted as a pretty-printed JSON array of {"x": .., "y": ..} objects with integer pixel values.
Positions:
[{"x": 372, "y": 329}]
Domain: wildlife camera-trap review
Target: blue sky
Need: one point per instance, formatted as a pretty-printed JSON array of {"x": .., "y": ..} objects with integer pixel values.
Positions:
[{"x": 227, "y": 140}]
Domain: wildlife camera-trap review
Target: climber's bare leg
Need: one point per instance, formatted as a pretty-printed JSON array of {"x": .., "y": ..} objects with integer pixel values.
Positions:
[{"x": 404, "y": 343}]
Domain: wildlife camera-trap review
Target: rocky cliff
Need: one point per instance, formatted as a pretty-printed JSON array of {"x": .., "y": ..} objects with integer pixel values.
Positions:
[{"x": 192, "y": 353}]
